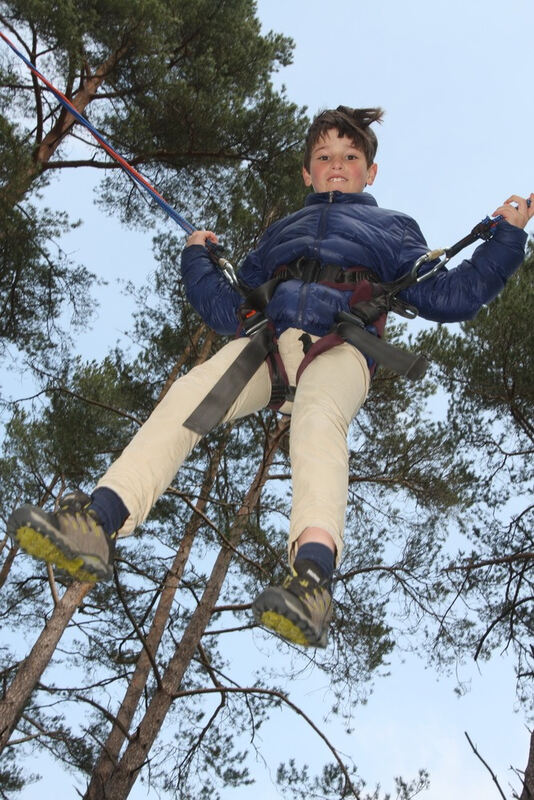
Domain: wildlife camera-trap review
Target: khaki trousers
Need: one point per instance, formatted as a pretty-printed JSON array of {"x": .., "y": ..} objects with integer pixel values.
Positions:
[{"x": 330, "y": 392}]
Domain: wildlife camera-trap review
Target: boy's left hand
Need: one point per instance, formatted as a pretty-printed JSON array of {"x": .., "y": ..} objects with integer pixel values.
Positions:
[
  {"x": 516, "y": 211},
  {"x": 201, "y": 237}
]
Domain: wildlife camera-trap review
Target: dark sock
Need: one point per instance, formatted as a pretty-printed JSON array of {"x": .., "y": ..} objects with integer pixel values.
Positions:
[
  {"x": 109, "y": 509},
  {"x": 321, "y": 556}
]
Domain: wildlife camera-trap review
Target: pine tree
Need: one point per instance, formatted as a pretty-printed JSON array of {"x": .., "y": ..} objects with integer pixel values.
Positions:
[{"x": 181, "y": 90}]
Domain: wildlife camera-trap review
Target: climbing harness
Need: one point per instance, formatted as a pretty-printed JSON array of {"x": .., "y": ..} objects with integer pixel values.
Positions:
[
  {"x": 262, "y": 344},
  {"x": 370, "y": 309},
  {"x": 378, "y": 299}
]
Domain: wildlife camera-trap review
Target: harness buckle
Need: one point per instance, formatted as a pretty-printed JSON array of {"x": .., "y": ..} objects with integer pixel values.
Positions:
[
  {"x": 310, "y": 269},
  {"x": 253, "y": 322}
]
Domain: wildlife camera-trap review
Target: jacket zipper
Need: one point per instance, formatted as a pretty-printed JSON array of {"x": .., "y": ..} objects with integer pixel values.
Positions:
[{"x": 322, "y": 224}]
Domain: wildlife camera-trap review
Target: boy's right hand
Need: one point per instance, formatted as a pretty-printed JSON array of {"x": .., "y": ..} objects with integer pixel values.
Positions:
[
  {"x": 201, "y": 237},
  {"x": 517, "y": 210}
]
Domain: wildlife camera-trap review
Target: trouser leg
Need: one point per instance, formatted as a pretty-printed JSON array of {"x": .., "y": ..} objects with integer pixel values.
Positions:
[
  {"x": 149, "y": 463},
  {"x": 330, "y": 392}
]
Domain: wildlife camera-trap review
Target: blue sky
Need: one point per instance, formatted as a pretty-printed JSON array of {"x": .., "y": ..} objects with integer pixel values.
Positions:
[{"x": 453, "y": 78}]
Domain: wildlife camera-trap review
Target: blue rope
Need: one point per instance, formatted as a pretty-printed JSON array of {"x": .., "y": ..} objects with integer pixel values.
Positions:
[{"x": 134, "y": 174}]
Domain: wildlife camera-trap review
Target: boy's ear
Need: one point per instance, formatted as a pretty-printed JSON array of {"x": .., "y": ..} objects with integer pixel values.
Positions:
[
  {"x": 371, "y": 175},
  {"x": 306, "y": 177}
]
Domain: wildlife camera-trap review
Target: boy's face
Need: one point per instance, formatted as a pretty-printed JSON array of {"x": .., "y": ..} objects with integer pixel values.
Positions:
[{"x": 336, "y": 164}]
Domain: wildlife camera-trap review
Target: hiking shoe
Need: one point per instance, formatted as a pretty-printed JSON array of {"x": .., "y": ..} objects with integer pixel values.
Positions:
[
  {"x": 299, "y": 610},
  {"x": 71, "y": 538}
]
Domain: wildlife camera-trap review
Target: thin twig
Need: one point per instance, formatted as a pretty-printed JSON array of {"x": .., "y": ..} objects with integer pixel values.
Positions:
[
  {"x": 284, "y": 699},
  {"x": 493, "y": 776},
  {"x": 137, "y": 629}
]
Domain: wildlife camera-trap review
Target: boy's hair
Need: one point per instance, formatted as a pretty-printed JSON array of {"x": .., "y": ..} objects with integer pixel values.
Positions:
[{"x": 351, "y": 122}]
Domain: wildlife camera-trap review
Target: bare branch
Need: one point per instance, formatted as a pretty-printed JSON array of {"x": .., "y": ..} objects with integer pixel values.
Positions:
[{"x": 493, "y": 776}]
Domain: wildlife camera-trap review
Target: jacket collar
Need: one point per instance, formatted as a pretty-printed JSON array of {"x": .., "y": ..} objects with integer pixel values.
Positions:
[{"x": 361, "y": 198}]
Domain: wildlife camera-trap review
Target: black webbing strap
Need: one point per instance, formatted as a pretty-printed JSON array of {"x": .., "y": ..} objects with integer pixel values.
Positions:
[
  {"x": 309, "y": 270},
  {"x": 484, "y": 230},
  {"x": 411, "y": 365},
  {"x": 351, "y": 326},
  {"x": 209, "y": 413}
]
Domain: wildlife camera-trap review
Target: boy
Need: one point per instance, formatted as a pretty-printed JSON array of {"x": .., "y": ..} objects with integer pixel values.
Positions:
[{"x": 330, "y": 250}]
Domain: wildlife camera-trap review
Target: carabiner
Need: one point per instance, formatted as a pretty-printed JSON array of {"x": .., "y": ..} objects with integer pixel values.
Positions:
[
  {"x": 229, "y": 273},
  {"x": 424, "y": 259}
]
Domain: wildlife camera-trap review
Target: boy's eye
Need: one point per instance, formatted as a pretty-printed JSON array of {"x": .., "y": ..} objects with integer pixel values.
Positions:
[{"x": 348, "y": 157}]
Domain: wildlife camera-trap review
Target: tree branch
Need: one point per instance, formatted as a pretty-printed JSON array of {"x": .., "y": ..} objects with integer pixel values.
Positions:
[
  {"x": 493, "y": 776},
  {"x": 491, "y": 562}
]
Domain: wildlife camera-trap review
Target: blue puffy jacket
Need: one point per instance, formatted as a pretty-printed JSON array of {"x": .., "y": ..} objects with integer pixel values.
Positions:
[{"x": 350, "y": 230}]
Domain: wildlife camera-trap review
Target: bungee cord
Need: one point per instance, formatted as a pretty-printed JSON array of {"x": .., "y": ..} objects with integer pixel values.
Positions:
[{"x": 136, "y": 176}]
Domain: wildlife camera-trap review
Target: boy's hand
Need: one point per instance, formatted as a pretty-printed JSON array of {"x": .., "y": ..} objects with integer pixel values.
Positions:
[
  {"x": 201, "y": 237},
  {"x": 516, "y": 210}
]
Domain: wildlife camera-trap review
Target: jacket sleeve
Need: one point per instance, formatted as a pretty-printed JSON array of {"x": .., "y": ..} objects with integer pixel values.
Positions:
[
  {"x": 208, "y": 291},
  {"x": 459, "y": 293},
  {"x": 259, "y": 264}
]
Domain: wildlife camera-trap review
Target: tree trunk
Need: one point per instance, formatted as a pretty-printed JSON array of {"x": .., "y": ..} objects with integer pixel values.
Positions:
[
  {"x": 6, "y": 566},
  {"x": 528, "y": 780},
  {"x": 33, "y": 666},
  {"x": 115, "y": 741},
  {"x": 127, "y": 769}
]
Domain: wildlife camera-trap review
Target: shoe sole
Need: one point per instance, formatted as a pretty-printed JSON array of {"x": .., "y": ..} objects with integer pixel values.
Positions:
[
  {"x": 43, "y": 543},
  {"x": 272, "y": 612}
]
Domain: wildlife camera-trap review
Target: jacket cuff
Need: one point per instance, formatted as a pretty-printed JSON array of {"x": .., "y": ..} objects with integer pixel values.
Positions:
[{"x": 510, "y": 235}]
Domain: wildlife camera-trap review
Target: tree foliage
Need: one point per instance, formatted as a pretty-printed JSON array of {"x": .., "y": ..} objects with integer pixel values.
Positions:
[{"x": 487, "y": 371}]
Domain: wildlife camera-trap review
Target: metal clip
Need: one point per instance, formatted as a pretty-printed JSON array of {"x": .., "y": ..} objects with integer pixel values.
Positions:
[
  {"x": 229, "y": 272},
  {"x": 424, "y": 259}
]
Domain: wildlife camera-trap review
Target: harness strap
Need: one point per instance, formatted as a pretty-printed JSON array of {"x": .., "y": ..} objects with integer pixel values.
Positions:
[
  {"x": 351, "y": 329},
  {"x": 308, "y": 270},
  {"x": 214, "y": 406},
  {"x": 311, "y": 270},
  {"x": 484, "y": 230},
  {"x": 352, "y": 326}
]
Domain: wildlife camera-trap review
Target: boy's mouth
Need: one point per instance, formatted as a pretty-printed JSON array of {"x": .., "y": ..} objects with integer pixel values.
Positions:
[{"x": 336, "y": 178}]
